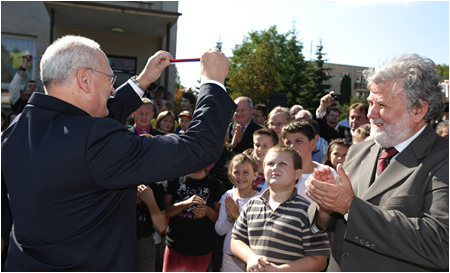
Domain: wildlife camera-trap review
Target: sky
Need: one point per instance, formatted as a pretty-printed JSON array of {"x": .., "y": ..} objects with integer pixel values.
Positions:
[{"x": 360, "y": 33}]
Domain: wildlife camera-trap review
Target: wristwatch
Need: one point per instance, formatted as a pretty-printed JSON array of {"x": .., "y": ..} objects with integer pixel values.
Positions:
[
  {"x": 346, "y": 215},
  {"x": 138, "y": 84}
]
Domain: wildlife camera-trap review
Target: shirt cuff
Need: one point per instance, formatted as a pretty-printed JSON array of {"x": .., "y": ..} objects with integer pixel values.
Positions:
[
  {"x": 319, "y": 114},
  {"x": 136, "y": 89},
  {"x": 314, "y": 229},
  {"x": 214, "y": 82}
]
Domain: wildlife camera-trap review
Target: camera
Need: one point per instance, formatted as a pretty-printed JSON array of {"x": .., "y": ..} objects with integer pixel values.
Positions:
[
  {"x": 337, "y": 96},
  {"x": 28, "y": 57}
]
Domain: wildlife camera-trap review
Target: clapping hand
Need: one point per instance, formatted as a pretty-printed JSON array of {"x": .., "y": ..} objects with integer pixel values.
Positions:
[
  {"x": 330, "y": 195},
  {"x": 232, "y": 208}
]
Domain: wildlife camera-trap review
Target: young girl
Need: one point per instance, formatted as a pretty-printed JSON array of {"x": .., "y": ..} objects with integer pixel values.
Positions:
[
  {"x": 242, "y": 171},
  {"x": 336, "y": 153},
  {"x": 192, "y": 204}
]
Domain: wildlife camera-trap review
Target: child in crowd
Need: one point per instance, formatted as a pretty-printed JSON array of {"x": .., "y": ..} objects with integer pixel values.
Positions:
[
  {"x": 361, "y": 133},
  {"x": 272, "y": 232},
  {"x": 150, "y": 215},
  {"x": 442, "y": 128},
  {"x": 242, "y": 171},
  {"x": 158, "y": 99},
  {"x": 336, "y": 153},
  {"x": 300, "y": 135},
  {"x": 263, "y": 140},
  {"x": 192, "y": 204},
  {"x": 187, "y": 102},
  {"x": 165, "y": 122},
  {"x": 184, "y": 119},
  {"x": 277, "y": 118}
]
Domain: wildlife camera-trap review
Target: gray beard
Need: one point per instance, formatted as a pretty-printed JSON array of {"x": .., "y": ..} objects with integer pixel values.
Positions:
[{"x": 394, "y": 133}]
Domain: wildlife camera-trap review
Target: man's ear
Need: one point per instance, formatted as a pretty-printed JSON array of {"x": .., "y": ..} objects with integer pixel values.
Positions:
[
  {"x": 419, "y": 112},
  {"x": 84, "y": 80}
]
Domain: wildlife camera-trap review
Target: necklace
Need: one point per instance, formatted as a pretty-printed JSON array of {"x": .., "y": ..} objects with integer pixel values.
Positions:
[{"x": 247, "y": 194}]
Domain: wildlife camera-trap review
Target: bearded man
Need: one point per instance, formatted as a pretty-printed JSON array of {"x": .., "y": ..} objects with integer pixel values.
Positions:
[{"x": 389, "y": 211}]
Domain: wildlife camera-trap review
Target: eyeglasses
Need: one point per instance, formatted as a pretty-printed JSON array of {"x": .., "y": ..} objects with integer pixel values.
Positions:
[{"x": 112, "y": 80}]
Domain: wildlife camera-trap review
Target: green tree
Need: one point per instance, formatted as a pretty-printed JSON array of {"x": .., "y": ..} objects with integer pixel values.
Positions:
[
  {"x": 314, "y": 87},
  {"x": 254, "y": 66},
  {"x": 268, "y": 61},
  {"x": 346, "y": 89},
  {"x": 443, "y": 71},
  {"x": 219, "y": 44},
  {"x": 293, "y": 74}
]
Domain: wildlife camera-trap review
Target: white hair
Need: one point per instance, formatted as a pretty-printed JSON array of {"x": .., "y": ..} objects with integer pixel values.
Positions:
[{"x": 66, "y": 56}]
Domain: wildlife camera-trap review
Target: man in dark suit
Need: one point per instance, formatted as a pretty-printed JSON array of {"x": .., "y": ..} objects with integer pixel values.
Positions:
[
  {"x": 392, "y": 218},
  {"x": 142, "y": 119},
  {"x": 70, "y": 176},
  {"x": 240, "y": 131}
]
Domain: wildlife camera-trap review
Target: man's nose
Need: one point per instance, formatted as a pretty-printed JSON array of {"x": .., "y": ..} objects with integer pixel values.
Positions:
[{"x": 372, "y": 113}]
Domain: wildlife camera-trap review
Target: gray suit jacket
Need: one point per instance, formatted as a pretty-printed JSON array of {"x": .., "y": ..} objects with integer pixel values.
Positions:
[{"x": 400, "y": 222}]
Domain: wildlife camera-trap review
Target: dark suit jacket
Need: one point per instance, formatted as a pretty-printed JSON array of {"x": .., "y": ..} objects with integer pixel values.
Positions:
[
  {"x": 329, "y": 133},
  {"x": 247, "y": 139},
  {"x": 153, "y": 131},
  {"x": 72, "y": 180},
  {"x": 400, "y": 222}
]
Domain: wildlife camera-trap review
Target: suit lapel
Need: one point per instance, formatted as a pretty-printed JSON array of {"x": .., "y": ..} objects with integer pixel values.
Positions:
[
  {"x": 364, "y": 178},
  {"x": 403, "y": 165},
  {"x": 395, "y": 172},
  {"x": 248, "y": 134}
]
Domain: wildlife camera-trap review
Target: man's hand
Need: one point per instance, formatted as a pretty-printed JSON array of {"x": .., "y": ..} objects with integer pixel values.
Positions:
[
  {"x": 214, "y": 66},
  {"x": 325, "y": 102},
  {"x": 154, "y": 67},
  {"x": 330, "y": 195},
  {"x": 238, "y": 135},
  {"x": 328, "y": 99}
]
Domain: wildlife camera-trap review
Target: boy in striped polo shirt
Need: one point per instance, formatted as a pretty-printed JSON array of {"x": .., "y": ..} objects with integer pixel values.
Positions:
[{"x": 272, "y": 232}]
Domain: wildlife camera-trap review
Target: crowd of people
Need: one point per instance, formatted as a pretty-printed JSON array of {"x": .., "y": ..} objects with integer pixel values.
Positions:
[{"x": 122, "y": 183}]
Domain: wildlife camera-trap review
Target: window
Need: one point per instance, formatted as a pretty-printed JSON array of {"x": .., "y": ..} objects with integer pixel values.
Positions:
[
  {"x": 13, "y": 48},
  {"x": 123, "y": 68}
]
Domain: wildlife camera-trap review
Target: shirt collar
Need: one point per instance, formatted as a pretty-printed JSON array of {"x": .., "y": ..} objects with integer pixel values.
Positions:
[
  {"x": 246, "y": 125},
  {"x": 139, "y": 131},
  {"x": 265, "y": 195},
  {"x": 401, "y": 146}
]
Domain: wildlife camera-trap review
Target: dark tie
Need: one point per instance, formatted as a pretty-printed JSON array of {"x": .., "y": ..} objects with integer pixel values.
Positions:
[{"x": 384, "y": 159}]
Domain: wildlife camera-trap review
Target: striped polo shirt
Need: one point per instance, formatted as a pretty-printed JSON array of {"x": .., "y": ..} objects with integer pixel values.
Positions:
[{"x": 283, "y": 235}]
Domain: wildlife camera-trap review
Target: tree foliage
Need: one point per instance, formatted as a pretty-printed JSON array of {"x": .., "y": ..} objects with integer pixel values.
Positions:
[
  {"x": 268, "y": 61},
  {"x": 443, "y": 71},
  {"x": 254, "y": 65}
]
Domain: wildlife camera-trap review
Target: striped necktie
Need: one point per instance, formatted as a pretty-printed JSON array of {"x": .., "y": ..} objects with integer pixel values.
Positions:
[{"x": 384, "y": 160}]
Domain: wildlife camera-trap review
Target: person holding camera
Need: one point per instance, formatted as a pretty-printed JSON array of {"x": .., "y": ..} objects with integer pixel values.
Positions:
[
  {"x": 328, "y": 123},
  {"x": 328, "y": 118},
  {"x": 18, "y": 98}
]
